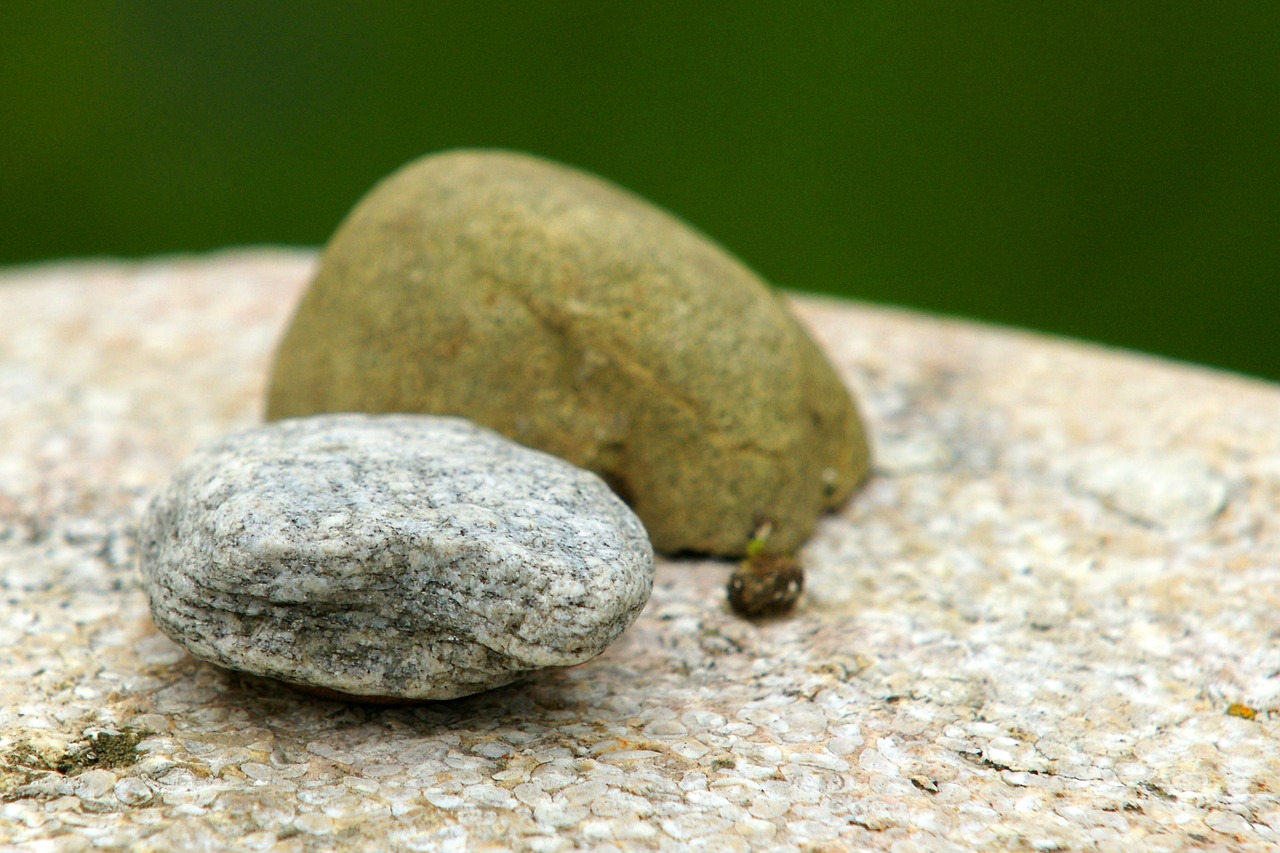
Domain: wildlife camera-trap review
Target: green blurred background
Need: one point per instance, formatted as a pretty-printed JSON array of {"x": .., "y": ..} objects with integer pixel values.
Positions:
[{"x": 1101, "y": 169}]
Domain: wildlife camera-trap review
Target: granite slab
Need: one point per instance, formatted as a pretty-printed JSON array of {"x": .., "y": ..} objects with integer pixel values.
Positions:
[{"x": 1051, "y": 621}]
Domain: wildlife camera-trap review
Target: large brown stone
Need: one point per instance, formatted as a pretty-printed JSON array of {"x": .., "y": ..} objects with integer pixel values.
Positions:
[{"x": 579, "y": 319}]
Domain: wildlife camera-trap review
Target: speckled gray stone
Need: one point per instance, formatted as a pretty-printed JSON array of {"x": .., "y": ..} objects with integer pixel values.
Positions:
[{"x": 408, "y": 557}]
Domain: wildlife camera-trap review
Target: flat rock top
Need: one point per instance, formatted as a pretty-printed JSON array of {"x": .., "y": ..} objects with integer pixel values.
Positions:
[{"x": 1049, "y": 622}]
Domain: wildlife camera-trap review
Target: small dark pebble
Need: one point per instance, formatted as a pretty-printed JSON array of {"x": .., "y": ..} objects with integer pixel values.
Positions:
[{"x": 765, "y": 585}]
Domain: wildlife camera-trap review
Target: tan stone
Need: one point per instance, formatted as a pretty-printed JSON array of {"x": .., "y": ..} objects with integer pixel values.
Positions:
[{"x": 577, "y": 318}]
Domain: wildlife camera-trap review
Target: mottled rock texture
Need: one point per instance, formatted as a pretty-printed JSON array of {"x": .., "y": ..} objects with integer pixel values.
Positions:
[
  {"x": 577, "y": 318},
  {"x": 988, "y": 655},
  {"x": 394, "y": 556}
]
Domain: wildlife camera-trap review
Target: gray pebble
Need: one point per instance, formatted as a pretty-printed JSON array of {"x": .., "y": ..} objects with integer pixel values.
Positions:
[{"x": 397, "y": 556}]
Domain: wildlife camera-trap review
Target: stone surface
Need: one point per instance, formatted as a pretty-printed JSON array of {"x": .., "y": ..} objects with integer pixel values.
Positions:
[
  {"x": 991, "y": 651},
  {"x": 575, "y": 317},
  {"x": 393, "y": 556}
]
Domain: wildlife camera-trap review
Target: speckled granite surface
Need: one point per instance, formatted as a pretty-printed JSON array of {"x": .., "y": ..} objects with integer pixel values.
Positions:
[{"x": 1051, "y": 622}]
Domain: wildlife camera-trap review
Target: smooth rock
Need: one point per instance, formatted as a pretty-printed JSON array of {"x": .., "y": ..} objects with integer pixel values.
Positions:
[
  {"x": 577, "y": 318},
  {"x": 406, "y": 557}
]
